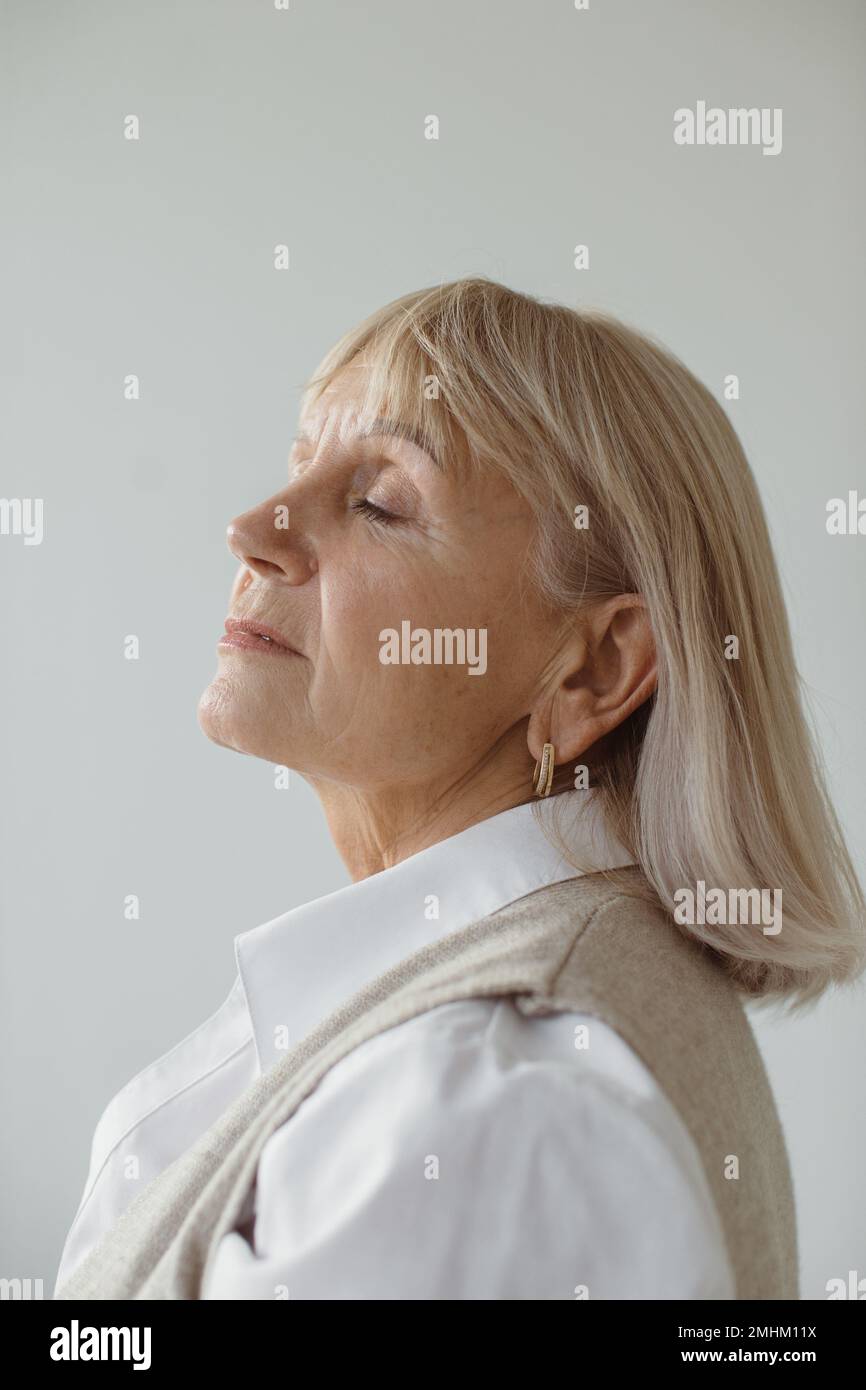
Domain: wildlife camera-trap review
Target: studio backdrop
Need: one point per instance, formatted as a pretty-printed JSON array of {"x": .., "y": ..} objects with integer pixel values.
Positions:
[{"x": 199, "y": 199}]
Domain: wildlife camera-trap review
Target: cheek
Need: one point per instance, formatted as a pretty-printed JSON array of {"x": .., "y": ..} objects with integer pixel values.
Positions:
[
  {"x": 433, "y": 711},
  {"x": 433, "y": 718},
  {"x": 368, "y": 683},
  {"x": 364, "y": 599}
]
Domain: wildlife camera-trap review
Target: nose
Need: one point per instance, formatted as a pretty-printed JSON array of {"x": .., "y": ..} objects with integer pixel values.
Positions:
[{"x": 263, "y": 540}]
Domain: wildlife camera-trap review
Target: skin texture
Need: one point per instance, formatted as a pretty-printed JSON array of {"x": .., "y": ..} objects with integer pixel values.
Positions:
[{"x": 402, "y": 756}]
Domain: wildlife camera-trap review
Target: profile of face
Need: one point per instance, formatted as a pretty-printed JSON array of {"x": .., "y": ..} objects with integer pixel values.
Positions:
[{"x": 380, "y": 539}]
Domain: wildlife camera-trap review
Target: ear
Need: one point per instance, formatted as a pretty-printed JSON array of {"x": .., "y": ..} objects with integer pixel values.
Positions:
[{"x": 610, "y": 670}]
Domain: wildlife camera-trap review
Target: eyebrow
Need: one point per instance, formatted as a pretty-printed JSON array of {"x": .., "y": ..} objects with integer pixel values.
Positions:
[{"x": 396, "y": 428}]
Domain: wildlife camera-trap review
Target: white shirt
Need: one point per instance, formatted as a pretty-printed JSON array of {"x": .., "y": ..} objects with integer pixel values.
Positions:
[{"x": 468, "y": 1153}]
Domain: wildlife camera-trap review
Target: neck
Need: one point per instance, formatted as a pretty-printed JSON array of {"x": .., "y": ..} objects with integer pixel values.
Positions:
[{"x": 375, "y": 830}]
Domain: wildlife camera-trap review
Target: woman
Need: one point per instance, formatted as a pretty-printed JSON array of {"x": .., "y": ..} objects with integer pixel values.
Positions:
[{"x": 515, "y": 618}]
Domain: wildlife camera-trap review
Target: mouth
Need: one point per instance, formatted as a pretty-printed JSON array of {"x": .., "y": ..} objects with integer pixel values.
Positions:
[{"x": 253, "y": 636}]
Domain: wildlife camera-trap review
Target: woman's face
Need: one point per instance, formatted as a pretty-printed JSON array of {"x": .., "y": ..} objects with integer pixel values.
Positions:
[{"x": 324, "y": 569}]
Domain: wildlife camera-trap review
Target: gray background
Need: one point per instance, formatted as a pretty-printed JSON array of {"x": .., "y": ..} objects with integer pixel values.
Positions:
[{"x": 306, "y": 127}]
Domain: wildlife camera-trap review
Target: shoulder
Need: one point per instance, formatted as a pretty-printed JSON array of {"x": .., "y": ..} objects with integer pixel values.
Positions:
[{"x": 544, "y": 1139}]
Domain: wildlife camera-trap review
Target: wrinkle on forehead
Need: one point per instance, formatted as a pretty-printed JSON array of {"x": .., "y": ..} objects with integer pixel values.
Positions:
[{"x": 354, "y": 401}]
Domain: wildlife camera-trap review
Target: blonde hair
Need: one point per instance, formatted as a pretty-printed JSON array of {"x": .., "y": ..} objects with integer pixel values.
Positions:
[{"x": 716, "y": 777}]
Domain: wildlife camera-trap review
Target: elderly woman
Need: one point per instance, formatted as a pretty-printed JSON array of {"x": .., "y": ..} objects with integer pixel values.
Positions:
[{"x": 515, "y": 618}]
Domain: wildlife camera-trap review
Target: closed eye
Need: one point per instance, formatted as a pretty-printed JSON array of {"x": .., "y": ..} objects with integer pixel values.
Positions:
[{"x": 378, "y": 514}]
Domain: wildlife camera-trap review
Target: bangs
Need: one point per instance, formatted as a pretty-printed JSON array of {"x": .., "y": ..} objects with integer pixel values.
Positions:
[{"x": 410, "y": 364}]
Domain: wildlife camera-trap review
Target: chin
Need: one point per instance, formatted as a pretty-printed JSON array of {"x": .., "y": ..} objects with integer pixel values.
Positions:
[
  {"x": 235, "y": 716},
  {"x": 222, "y": 716},
  {"x": 214, "y": 712}
]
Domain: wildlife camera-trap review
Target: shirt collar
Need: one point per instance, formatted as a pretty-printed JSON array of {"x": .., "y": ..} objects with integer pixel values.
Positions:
[{"x": 300, "y": 966}]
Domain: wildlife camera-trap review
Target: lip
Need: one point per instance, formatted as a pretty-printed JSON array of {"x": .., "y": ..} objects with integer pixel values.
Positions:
[{"x": 253, "y": 636}]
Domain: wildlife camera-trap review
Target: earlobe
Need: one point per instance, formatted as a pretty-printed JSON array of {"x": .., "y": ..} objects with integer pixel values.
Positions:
[{"x": 539, "y": 729}]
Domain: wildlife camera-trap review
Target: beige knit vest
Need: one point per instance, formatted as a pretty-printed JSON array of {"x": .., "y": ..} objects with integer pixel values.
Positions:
[{"x": 583, "y": 945}]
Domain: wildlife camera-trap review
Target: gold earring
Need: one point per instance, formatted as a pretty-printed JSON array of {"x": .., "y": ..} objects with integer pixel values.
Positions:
[{"x": 542, "y": 777}]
